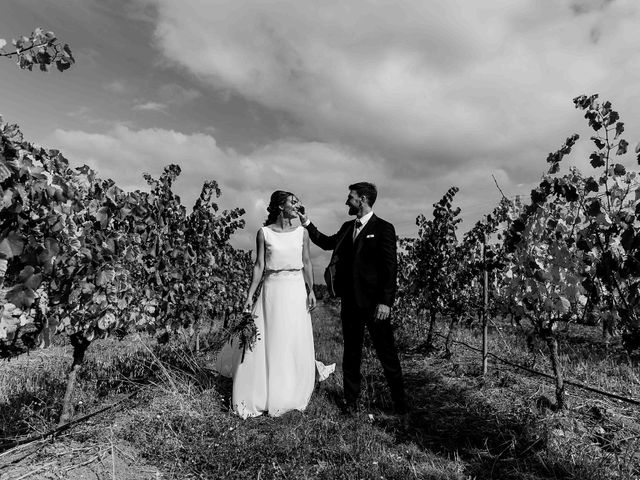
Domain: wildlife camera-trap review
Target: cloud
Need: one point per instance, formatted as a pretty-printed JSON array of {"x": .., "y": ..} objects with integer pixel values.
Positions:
[
  {"x": 85, "y": 114},
  {"x": 292, "y": 165},
  {"x": 428, "y": 85},
  {"x": 124, "y": 154},
  {"x": 119, "y": 87},
  {"x": 581, "y": 7},
  {"x": 172, "y": 93},
  {"x": 414, "y": 98},
  {"x": 95, "y": 118},
  {"x": 151, "y": 107}
]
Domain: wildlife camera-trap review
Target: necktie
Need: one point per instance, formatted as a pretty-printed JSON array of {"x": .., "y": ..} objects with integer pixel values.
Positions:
[{"x": 357, "y": 227}]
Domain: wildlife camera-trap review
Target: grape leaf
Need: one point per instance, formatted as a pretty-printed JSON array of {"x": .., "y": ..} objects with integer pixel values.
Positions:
[
  {"x": 51, "y": 249},
  {"x": 5, "y": 172},
  {"x": 591, "y": 185},
  {"x": 21, "y": 296},
  {"x": 105, "y": 276},
  {"x": 107, "y": 321},
  {"x": 622, "y": 147},
  {"x": 597, "y": 160},
  {"x": 12, "y": 245},
  {"x": 599, "y": 142},
  {"x": 562, "y": 305},
  {"x": 593, "y": 208},
  {"x": 619, "y": 169}
]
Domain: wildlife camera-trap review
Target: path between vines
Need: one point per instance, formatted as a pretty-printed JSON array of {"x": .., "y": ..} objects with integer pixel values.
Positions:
[{"x": 450, "y": 413}]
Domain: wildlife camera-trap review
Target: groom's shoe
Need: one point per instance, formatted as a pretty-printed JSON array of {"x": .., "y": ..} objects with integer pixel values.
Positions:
[
  {"x": 402, "y": 412},
  {"x": 401, "y": 408}
]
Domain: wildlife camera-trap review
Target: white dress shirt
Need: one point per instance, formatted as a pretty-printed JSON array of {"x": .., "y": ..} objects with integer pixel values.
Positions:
[{"x": 363, "y": 220}]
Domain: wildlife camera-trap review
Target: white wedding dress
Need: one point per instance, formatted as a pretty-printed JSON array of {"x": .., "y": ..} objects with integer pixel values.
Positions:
[{"x": 278, "y": 375}]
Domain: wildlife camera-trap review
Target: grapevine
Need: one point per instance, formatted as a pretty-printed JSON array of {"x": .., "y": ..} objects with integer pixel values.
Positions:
[{"x": 77, "y": 250}]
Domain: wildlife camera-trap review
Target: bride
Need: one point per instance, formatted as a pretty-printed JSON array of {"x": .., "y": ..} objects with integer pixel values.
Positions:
[{"x": 278, "y": 375}]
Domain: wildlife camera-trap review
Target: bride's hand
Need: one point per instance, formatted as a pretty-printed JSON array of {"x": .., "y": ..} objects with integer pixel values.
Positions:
[
  {"x": 311, "y": 300},
  {"x": 247, "y": 305}
]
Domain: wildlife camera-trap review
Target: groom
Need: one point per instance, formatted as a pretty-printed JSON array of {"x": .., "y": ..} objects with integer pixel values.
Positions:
[{"x": 364, "y": 252}]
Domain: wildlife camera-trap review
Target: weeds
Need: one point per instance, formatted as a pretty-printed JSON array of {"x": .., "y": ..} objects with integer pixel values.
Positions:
[{"x": 462, "y": 426}]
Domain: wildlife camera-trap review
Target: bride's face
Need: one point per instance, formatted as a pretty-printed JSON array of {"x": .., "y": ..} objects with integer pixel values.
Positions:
[{"x": 290, "y": 207}]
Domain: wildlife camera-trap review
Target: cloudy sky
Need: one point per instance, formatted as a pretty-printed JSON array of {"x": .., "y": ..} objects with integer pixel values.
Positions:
[{"x": 413, "y": 95}]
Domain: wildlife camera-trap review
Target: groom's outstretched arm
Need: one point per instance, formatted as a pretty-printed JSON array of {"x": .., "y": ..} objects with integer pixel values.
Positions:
[{"x": 325, "y": 242}]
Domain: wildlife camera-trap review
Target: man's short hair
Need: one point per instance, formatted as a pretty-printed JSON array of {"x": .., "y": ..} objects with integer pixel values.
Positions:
[{"x": 366, "y": 189}]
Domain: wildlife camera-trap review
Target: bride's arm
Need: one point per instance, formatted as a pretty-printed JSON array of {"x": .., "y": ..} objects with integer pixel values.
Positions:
[
  {"x": 258, "y": 269},
  {"x": 308, "y": 271}
]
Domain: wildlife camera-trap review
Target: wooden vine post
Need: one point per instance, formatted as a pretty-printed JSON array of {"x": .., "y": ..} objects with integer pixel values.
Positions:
[
  {"x": 485, "y": 304},
  {"x": 80, "y": 345}
]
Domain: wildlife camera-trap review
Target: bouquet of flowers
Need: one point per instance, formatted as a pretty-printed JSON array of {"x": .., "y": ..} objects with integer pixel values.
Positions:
[{"x": 245, "y": 330}]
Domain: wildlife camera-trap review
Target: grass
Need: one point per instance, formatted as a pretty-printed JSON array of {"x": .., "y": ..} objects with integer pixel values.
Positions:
[
  {"x": 462, "y": 426},
  {"x": 32, "y": 386}
]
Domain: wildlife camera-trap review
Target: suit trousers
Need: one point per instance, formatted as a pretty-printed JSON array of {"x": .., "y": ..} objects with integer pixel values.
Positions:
[{"x": 354, "y": 319}]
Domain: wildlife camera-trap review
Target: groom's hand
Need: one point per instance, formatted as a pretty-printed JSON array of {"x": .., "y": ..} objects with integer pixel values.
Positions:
[
  {"x": 382, "y": 312},
  {"x": 301, "y": 214}
]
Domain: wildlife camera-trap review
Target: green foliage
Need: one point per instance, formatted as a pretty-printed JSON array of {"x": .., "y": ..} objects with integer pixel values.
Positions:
[
  {"x": 40, "y": 49},
  {"x": 571, "y": 254},
  {"x": 427, "y": 261},
  {"x": 438, "y": 274},
  {"x": 544, "y": 272},
  {"x": 34, "y": 214},
  {"x": 187, "y": 270},
  {"x": 590, "y": 225},
  {"x": 472, "y": 262},
  {"x": 78, "y": 252},
  {"x": 427, "y": 270}
]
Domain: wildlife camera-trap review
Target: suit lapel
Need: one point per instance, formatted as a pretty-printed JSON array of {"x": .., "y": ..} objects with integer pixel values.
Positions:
[{"x": 346, "y": 239}]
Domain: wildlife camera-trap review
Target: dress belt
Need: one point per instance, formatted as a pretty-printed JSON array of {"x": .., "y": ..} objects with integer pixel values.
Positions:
[{"x": 272, "y": 272}]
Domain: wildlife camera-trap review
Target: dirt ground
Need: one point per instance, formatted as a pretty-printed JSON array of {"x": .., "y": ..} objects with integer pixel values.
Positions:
[
  {"x": 99, "y": 455},
  {"x": 89, "y": 450},
  {"x": 484, "y": 424}
]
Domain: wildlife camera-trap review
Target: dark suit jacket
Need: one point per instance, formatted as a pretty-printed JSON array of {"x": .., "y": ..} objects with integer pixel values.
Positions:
[{"x": 366, "y": 270}]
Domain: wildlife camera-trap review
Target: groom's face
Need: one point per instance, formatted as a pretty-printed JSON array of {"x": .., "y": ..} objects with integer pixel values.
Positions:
[{"x": 354, "y": 202}]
